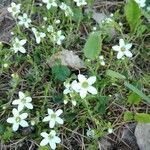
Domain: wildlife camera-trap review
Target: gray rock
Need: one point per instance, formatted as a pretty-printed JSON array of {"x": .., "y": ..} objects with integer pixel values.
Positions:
[{"x": 142, "y": 134}]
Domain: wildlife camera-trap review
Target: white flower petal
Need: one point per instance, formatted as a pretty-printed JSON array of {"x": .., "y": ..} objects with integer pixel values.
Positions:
[
  {"x": 121, "y": 43},
  {"x": 74, "y": 103},
  {"x": 21, "y": 95},
  {"x": 47, "y": 118},
  {"x": 20, "y": 106},
  {"x": 81, "y": 78},
  {"x": 11, "y": 120},
  {"x": 15, "y": 126},
  {"x": 52, "y": 123},
  {"x": 22, "y": 50},
  {"x": 116, "y": 48},
  {"x": 50, "y": 111},
  {"x": 91, "y": 80},
  {"x": 44, "y": 142},
  {"x": 83, "y": 93},
  {"x": 44, "y": 134},
  {"x": 92, "y": 90},
  {"x": 75, "y": 86},
  {"x": 22, "y": 42},
  {"x": 24, "y": 123},
  {"x": 16, "y": 102},
  {"x": 29, "y": 106},
  {"x": 23, "y": 116},
  {"x": 28, "y": 99},
  {"x": 59, "y": 120},
  {"x": 59, "y": 112},
  {"x": 128, "y": 46},
  {"x": 128, "y": 53},
  {"x": 52, "y": 145},
  {"x": 57, "y": 139},
  {"x": 15, "y": 112},
  {"x": 119, "y": 55}
]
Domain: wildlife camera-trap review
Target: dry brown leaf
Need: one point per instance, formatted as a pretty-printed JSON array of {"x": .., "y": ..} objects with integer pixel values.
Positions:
[{"x": 68, "y": 58}]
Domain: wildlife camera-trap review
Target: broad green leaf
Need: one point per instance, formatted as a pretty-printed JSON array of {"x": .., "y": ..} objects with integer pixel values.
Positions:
[
  {"x": 115, "y": 74},
  {"x": 133, "y": 14},
  {"x": 133, "y": 98},
  {"x": 142, "y": 117},
  {"x": 60, "y": 72},
  {"x": 93, "y": 45},
  {"x": 137, "y": 91},
  {"x": 128, "y": 116},
  {"x": 78, "y": 15},
  {"x": 139, "y": 117}
]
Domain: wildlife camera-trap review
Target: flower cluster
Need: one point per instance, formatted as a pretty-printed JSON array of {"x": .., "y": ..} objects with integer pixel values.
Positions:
[
  {"x": 83, "y": 86},
  {"x": 18, "y": 118},
  {"x": 53, "y": 119}
]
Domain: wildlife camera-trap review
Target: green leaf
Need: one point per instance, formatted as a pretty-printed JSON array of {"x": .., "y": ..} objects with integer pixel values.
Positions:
[
  {"x": 137, "y": 91},
  {"x": 133, "y": 14},
  {"x": 93, "y": 45},
  {"x": 102, "y": 105},
  {"x": 134, "y": 99},
  {"x": 142, "y": 117},
  {"x": 78, "y": 15},
  {"x": 115, "y": 74},
  {"x": 128, "y": 116},
  {"x": 43, "y": 148},
  {"x": 60, "y": 72}
]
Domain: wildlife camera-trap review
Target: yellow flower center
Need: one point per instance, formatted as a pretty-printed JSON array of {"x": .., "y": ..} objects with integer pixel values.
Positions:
[{"x": 85, "y": 84}]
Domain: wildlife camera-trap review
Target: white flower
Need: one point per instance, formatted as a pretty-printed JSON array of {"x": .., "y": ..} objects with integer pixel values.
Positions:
[
  {"x": 38, "y": 35},
  {"x": 68, "y": 88},
  {"x": 50, "y": 139},
  {"x": 84, "y": 85},
  {"x": 80, "y": 2},
  {"x": 23, "y": 101},
  {"x": 53, "y": 117},
  {"x": 90, "y": 133},
  {"x": 57, "y": 21},
  {"x": 122, "y": 49},
  {"x": 50, "y": 28},
  {"x": 67, "y": 9},
  {"x": 58, "y": 37},
  {"x": 110, "y": 130},
  {"x": 14, "y": 9},
  {"x": 18, "y": 45},
  {"x": 18, "y": 119},
  {"x": 141, "y": 3},
  {"x": 102, "y": 62},
  {"x": 50, "y": 3},
  {"x": 45, "y": 18},
  {"x": 24, "y": 20}
]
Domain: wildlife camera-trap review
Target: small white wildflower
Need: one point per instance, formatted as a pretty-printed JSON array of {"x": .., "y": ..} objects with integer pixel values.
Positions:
[
  {"x": 50, "y": 28},
  {"x": 57, "y": 21},
  {"x": 120, "y": 24},
  {"x": 94, "y": 29},
  {"x": 40, "y": 4},
  {"x": 12, "y": 33},
  {"x": 80, "y": 2},
  {"x": 45, "y": 18},
  {"x": 110, "y": 130},
  {"x": 32, "y": 122},
  {"x": 5, "y": 65},
  {"x": 67, "y": 9},
  {"x": 24, "y": 20},
  {"x": 18, "y": 45},
  {"x": 90, "y": 133},
  {"x": 14, "y": 9},
  {"x": 84, "y": 85},
  {"x": 50, "y": 139},
  {"x": 53, "y": 117},
  {"x": 58, "y": 37},
  {"x": 50, "y": 3},
  {"x": 122, "y": 49},
  {"x": 23, "y": 101},
  {"x": 38, "y": 35},
  {"x": 68, "y": 88},
  {"x": 111, "y": 15},
  {"x": 102, "y": 62},
  {"x": 43, "y": 27},
  {"x": 18, "y": 119},
  {"x": 141, "y": 3}
]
